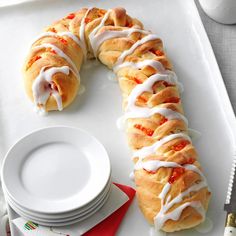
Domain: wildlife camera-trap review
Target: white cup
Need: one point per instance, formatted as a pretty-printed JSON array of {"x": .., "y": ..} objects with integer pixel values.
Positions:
[{"x": 223, "y": 11}]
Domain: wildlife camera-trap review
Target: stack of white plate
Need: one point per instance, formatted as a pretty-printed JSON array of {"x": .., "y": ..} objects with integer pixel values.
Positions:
[{"x": 56, "y": 176}]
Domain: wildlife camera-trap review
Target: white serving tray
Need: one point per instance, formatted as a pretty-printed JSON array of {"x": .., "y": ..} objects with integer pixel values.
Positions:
[{"x": 205, "y": 99}]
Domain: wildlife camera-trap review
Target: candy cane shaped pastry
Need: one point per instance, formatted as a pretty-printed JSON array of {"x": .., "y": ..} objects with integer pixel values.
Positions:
[{"x": 171, "y": 188}]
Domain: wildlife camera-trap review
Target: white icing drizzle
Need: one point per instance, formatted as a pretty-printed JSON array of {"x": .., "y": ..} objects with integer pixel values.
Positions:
[
  {"x": 80, "y": 42},
  {"x": 60, "y": 53},
  {"x": 146, "y": 151},
  {"x": 72, "y": 36},
  {"x": 142, "y": 112},
  {"x": 41, "y": 89},
  {"x": 154, "y": 165},
  {"x": 146, "y": 86},
  {"x": 163, "y": 216},
  {"x": 133, "y": 111},
  {"x": 96, "y": 29},
  {"x": 61, "y": 34},
  {"x": 176, "y": 213},
  {"x": 138, "y": 65},
  {"x": 58, "y": 99},
  {"x": 195, "y": 169},
  {"x": 40, "y": 111},
  {"x": 164, "y": 191},
  {"x": 125, "y": 53},
  {"x": 82, "y": 32},
  {"x": 154, "y": 64},
  {"x": 98, "y": 39}
]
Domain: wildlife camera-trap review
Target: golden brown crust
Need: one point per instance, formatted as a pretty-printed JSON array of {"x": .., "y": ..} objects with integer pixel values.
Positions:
[{"x": 141, "y": 132}]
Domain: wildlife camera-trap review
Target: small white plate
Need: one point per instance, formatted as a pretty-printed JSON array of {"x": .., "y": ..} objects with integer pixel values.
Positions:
[
  {"x": 65, "y": 214},
  {"x": 56, "y": 170},
  {"x": 62, "y": 220},
  {"x": 59, "y": 217},
  {"x": 64, "y": 223}
]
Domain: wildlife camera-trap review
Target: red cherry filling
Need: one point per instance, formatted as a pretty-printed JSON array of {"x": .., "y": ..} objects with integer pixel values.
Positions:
[
  {"x": 53, "y": 51},
  {"x": 158, "y": 52},
  {"x": 180, "y": 145},
  {"x": 62, "y": 40},
  {"x": 52, "y": 30},
  {"x": 145, "y": 130},
  {"x": 34, "y": 59},
  {"x": 163, "y": 120},
  {"x": 87, "y": 20},
  {"x": 71, "y": 16},
  {"x": 138, "y": 81},
  {"x": 176, "y": 173}
]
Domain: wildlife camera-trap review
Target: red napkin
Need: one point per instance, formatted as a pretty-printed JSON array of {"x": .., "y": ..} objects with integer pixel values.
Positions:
[{"x": 109, "y": 226}]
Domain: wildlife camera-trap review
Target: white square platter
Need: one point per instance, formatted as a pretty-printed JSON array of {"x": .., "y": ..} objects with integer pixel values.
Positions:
[{"x": 205, "y": 99}]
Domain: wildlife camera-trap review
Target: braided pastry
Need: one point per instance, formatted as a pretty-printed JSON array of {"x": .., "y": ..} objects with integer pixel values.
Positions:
[{"x": 172, "y": 191}]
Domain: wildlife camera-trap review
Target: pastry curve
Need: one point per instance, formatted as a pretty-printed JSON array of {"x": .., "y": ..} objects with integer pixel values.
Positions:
[{"x": 171, "y": 188}]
